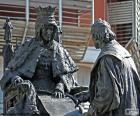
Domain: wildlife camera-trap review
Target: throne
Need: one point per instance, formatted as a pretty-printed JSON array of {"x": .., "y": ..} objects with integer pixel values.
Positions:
[
  {"x": 12, "y": 96},
  {"x": 54, "y": 107}
]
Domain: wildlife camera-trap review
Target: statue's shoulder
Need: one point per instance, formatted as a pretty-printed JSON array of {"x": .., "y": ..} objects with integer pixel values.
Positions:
[
  {"x": 28, "y": 41},
  {"x": 114, "y": 49},
  {"x": 22, "y": 52},
  {"x": 59, "y": 49},
  {"x": 27, "y": 46},
  {"x": 62, "y": 52}
]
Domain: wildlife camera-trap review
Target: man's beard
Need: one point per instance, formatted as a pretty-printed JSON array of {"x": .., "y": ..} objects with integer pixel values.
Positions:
[{"x": 97, "y": 46}]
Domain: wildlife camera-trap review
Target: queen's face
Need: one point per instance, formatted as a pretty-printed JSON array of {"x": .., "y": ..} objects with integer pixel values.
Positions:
[{"x": 47, "y": 33}]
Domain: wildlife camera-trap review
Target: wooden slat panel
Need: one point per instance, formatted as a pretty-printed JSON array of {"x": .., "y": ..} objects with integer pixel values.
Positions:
[
  {"x": 74, "y": 38},
  {"x": 123, "y": 32},
  {"x": 120, "y": 12}
]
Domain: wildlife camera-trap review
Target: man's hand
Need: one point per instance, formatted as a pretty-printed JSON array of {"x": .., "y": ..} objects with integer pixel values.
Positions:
[
  {"x": 82, "y": 97},
  {"x": 91, "y": 112},
  {"x": 17, "y": 80}
]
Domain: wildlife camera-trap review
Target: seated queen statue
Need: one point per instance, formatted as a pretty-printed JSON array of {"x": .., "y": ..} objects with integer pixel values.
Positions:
[{"x": 40, "y": 75}]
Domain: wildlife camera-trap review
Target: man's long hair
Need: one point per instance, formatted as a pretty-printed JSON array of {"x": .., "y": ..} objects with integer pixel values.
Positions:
[{"x": 102, "y": 30}]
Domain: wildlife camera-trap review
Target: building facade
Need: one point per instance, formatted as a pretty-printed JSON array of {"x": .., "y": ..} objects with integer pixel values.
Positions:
[{"x": 75, "y": 18}]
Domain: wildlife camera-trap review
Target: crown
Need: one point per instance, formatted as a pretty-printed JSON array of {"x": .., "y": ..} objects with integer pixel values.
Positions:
[
  {"x": 45, "y": 16},
  {"x": 45, "y": 12}
]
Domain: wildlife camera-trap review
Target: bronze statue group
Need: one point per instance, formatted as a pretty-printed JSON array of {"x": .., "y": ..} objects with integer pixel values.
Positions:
[{"x": 44, "y": 71}]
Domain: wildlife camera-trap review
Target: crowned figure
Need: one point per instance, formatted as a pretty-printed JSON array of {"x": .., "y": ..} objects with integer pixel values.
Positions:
[{"x": 45, "y": 67}]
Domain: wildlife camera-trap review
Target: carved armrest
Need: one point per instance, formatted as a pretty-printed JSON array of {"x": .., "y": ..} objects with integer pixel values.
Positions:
[{"x": 12, "y": 96}]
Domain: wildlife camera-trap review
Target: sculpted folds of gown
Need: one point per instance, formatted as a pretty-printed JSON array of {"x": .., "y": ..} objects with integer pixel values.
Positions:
[
  {"x": 114, "y": 83},
  {"x": 43, "y": 71}
]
